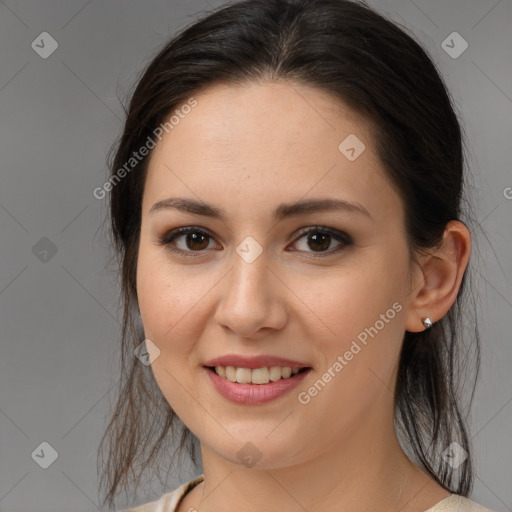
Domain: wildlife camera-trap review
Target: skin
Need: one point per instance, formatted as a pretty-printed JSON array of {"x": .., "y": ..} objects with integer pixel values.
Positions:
[{"x": 246, "y": 150}]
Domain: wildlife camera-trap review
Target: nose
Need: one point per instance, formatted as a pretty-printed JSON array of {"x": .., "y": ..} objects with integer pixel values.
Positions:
[{"x": 251, "y": 300}]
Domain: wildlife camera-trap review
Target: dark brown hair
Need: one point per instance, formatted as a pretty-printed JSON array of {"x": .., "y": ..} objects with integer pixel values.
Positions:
[{"x": 356, "y": 54}]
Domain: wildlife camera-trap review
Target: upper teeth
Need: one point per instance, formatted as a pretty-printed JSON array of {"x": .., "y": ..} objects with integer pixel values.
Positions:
[{"x": 256, "y": 375}]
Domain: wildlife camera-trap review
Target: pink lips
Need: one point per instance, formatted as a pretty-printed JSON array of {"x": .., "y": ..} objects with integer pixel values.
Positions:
[{"x": 252, "y": 394}]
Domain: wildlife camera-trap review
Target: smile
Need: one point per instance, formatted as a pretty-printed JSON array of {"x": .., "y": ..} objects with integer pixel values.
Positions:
[
  {"x": 262, "y": 375},
  {"x": 252, "y": 393}
]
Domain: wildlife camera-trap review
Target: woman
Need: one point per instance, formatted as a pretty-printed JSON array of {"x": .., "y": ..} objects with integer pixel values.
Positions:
[{"x": 286, "y": 207}]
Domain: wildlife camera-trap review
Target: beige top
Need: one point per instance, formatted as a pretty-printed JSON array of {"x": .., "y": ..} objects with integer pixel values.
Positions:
[{"x": 169, "y": 502}]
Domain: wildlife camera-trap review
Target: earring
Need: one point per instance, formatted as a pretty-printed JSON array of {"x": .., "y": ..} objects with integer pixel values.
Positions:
[{"x": 427, "y": 323}]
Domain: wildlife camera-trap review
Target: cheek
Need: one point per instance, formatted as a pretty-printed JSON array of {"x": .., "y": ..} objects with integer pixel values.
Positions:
[
  {"x": 168, "y": 313},
  {"x": 172, "y": 303},
  {"x": 159, "y": 304},
  {"x": 358, "y": 348},
  {"x": 359, "y": 316},
  {"x": 344, "y": 301}
]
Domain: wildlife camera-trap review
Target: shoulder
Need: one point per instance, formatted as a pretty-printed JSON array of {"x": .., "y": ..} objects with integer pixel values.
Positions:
[
  {"x": 169, "y": 501},
  {"x": 457, "y": 503}
]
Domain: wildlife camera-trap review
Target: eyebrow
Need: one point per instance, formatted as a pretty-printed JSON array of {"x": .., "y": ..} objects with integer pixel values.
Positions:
[{"x": 283, "y": 211}]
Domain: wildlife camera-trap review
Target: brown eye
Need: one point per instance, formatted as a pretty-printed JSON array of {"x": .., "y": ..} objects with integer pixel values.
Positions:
[
  {"x": 319, "y": 239},
  {"x": 186, "y": 240},
  {"x": 196, "y": 241}
]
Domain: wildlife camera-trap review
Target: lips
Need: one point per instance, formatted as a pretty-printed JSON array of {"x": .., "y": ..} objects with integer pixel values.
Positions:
[
  {"x": 254, "y": 394},
  {"x": 254, "y": 361}
]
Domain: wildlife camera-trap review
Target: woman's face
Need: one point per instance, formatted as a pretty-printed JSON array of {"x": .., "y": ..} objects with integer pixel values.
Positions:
[{"x": 252, "y": 283}]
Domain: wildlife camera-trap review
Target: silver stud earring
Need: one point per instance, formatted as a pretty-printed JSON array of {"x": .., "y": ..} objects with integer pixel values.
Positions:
[{"x": 427, "y": 323}]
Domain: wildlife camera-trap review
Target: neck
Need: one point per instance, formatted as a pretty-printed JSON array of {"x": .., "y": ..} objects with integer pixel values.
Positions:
[{"x": 366, "y": 470}]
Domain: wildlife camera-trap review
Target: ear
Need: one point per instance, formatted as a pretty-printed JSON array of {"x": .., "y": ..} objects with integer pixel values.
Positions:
[{"x": 437, "y": 280}]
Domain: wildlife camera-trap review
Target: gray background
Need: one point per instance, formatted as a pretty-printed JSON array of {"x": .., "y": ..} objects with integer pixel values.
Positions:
[{"x": 59, "y": 320}]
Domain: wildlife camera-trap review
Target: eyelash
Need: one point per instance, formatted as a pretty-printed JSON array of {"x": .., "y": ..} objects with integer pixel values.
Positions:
[{"x": 339, "y": 236}]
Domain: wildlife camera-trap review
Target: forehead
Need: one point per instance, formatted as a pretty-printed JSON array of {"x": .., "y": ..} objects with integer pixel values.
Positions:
[
  {"x": 267, "y": 140},
  {"x": 281, "y": 114}
]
